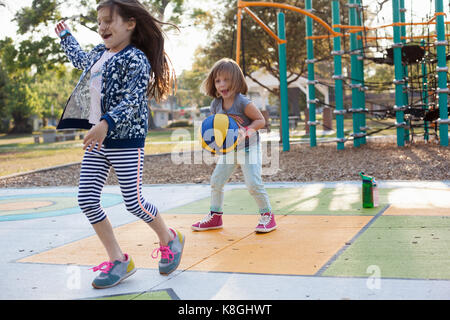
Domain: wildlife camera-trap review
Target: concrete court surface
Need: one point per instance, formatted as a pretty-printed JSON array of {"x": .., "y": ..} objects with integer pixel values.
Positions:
[{"x": 326, "y": 246}]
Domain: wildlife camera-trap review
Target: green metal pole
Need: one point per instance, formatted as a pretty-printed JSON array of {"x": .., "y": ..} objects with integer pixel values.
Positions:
[
  {"x": 283, "y": 83},
  {"x": 442, "y": 71},
  {"x": 426, "y": 136},
  {"x": 339, "y": 91},
  {"x": 399, "y": 81},
  {"x": 362, "y": 88},
  {"x": 405, "y": 66},
  {"x": 355, "y": 84},
  {"x": 311, "y": 88}
]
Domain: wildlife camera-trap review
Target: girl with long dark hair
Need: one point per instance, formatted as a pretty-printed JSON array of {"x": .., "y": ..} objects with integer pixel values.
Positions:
[{"x": 111, "y": 100}]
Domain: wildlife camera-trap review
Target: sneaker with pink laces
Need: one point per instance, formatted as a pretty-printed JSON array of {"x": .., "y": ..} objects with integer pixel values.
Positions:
[
  {"x": 170, "y": 254},
  {"x": 213, "y": 220},
  {"x": 112, "y": 273},
  {"x": 266, "y": 223}
]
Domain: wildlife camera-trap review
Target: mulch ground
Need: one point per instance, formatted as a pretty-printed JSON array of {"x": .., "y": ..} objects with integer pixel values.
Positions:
[{"x": 383, "y": 160}]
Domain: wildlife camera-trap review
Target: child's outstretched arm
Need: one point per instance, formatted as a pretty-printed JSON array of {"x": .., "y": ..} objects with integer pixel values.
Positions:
[{"x": 71, "y": 47}]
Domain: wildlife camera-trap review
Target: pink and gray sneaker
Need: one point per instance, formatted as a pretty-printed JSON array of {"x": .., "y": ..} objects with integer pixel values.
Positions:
[
  {"x": 266, "y": 223},
  {"x": 213, "y": 220}
]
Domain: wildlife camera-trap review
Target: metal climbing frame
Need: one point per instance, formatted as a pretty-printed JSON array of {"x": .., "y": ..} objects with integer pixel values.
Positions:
[{"x": 357, "y": 40}]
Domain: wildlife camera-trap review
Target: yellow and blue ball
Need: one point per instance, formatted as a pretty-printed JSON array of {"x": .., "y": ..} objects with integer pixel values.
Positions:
[{"x": 219, "y": 134}]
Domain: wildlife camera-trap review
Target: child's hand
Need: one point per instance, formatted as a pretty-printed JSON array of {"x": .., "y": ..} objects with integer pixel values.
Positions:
[
  {"x": 242, "y": 134},
  {"x": 245, "y": 132},
  {"x": 60, "y": 27},
  {"x": 96, "y": 136}
]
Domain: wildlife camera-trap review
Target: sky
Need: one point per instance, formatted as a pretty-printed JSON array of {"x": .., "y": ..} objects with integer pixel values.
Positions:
[
  {"x": 421, "y": 10},
  {"x": 181, "y": 46}
]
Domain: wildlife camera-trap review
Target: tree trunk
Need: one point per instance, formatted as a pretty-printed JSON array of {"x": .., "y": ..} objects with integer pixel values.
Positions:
[
  {"x": 21, "y": 125},
  {"x": 151, "y": 121}
]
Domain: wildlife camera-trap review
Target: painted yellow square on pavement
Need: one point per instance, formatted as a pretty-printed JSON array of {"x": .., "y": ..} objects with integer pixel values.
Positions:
[{"x": 301, "y": 245}]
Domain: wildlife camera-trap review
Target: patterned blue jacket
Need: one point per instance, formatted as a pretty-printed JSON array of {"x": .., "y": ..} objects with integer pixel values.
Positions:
[{"x": 124, "y": 102}]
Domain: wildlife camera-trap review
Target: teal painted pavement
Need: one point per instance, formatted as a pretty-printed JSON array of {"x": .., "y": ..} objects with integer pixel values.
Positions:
[{"x": 47, "y": 205}]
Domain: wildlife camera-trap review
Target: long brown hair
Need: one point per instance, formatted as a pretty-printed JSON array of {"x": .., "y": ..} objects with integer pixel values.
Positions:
[{"x": 149, "y": 38}]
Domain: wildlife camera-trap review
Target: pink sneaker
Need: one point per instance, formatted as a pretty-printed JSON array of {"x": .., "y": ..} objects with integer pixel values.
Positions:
[
  {"x": 266, "y": 223},
  {"x": 213, "y": 220}
]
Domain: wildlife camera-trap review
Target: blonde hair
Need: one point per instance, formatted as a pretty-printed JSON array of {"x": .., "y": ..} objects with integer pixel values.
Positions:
[{"x": 230, "y": 67}]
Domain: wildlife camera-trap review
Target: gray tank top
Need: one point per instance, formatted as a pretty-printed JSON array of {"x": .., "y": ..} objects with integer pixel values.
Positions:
[{"x": 236, "y": 111}]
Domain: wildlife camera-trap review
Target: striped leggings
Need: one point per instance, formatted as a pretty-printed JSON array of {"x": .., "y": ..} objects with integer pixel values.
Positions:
[{"x": 128, "y": 165}]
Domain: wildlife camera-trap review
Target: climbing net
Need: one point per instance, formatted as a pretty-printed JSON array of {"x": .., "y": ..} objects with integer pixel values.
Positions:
[{"x": 420, "y": 67}]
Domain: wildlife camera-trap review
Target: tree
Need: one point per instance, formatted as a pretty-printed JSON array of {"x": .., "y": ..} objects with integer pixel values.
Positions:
[
  {"x": 19, "y": 103},
  {"x": 40, "y": 57},
  {"x": 27, "y": 91},
  {"x": 259, "y": 50},
  {"x": 381, "y": 79},
  {"x": 44, "y": 51},
  {"x": 4, "y": 122},
  {"x": 189, "y": 83},
  {"x": 13, "y": 88}
]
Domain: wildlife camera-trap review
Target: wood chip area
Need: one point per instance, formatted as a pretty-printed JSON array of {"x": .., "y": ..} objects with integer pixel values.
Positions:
[{"x": 383, "y": 160}]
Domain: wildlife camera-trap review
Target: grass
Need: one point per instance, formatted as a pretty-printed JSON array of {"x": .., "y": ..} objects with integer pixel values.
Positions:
[
  {"x": 19, "y": 153},
  {"x": 24, "y": 161}
]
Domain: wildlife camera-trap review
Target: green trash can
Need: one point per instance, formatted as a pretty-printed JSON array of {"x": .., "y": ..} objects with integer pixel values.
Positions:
[{"x": 369, "y": 191}]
